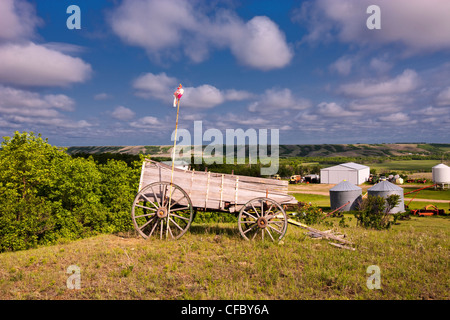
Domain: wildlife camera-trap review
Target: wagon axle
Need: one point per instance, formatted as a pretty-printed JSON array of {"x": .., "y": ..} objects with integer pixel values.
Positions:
[
  {"x": 161, "y": 212},
  {"x": 261, "y": 222}
]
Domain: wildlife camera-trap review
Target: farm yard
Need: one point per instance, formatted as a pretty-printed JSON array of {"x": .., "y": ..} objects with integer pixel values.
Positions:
[
  {"x": 212, "y": 261},
  {"x": 206, "y": 155}
]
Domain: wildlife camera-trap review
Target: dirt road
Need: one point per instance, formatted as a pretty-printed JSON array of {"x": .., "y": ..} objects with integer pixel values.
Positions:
[{"x": 323, "y": 190}]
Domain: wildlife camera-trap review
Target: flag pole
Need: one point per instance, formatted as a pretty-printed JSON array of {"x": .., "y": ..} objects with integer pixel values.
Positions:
[{"x": 173, "y": 166}]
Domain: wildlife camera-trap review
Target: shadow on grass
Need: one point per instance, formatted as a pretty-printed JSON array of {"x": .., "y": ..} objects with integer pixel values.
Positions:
[{"x": 231, "y": 231}]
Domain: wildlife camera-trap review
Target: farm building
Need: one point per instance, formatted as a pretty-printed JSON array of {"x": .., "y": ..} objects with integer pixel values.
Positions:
[
  {"x": 352, "y": 172},
  {"x": 345, "y": 192},
  {"x": 441, "y": 174},
  {"x": 385, "y": 189}
]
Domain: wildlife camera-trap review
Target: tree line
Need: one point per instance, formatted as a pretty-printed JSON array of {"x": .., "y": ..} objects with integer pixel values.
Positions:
[{"x": 47, "y": 195}]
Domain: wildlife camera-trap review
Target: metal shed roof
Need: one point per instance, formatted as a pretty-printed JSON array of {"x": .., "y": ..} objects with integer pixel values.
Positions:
[
  {"x": 345, "y": 186},
  {"x": 350, "y": 165},
  {"x": 385, "y": 186},
  {"x": 353, "y": 165}
]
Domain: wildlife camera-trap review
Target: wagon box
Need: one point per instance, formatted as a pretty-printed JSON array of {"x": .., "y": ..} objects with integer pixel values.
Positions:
[{"x": 166, "y": 209}]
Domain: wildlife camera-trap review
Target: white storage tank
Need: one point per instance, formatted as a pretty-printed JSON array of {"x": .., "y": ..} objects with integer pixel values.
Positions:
[
  {"x": 343, "y": 192},
  {"x": 441, "y": 174},
  {"x": 385, "y": 189}
]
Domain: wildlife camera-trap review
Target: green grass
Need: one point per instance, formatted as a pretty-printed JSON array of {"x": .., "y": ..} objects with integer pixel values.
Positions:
[
  {"x": 214, "y": 262},
  {"x": 430, "y": 193},
  {"x": 317, "y": 199},
  {"x": 405, "y": 165},
  {"x": 421, "y": 204}
]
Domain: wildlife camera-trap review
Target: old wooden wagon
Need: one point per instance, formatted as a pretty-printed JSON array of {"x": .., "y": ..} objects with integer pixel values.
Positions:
[{"x": 166, "y": 210}]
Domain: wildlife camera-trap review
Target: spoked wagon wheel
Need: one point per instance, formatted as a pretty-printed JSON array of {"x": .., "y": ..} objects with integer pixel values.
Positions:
[
  {"x": 262, "y": 217},
  {"x": 162, "y": 210}
]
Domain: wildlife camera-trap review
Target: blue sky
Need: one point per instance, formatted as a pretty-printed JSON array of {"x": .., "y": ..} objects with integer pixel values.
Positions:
[{"x": 311, "y": 69}]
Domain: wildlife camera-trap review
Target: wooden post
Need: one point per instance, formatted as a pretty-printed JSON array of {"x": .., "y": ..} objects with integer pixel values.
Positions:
[
  {"x": 207, "y": 190},
  {"x": 173, "y": 165},
  {"x": 236, "y": 191},
  {"x": 192, "y": 183},
  {"x": 221, "y": 193}
]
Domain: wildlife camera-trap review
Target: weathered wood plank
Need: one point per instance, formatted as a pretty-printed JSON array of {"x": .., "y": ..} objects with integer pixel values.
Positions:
[{"x": 212, "y": 190}]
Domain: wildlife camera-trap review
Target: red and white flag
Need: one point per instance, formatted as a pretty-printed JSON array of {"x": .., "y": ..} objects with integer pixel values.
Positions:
[{"x": 177, "y": 95}]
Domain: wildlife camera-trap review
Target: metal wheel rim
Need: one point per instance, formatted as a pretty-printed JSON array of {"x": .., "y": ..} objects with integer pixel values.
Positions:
[
  {"x": 161, "y": 197},
  {"x": 262, "y": 218}
]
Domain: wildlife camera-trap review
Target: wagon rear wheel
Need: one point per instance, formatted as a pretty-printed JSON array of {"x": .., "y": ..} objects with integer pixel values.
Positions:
[
  {"x": 162, "y": 210},
  {"x": 262, "y": 218}
]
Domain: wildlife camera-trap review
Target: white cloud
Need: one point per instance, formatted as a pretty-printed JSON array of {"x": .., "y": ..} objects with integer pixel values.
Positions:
[
  {"x": 333, "y": 110},
  {"x": 146, "y": 122},
  {"x": 381, "y": 103},
  {"x": 17, "y": 20},
  {"x": 232, "y": 119},
  {"x": 20, "y": 107},
  {"x": 166, "y": 27},
  {"x": 123, "y": 113},
  {"x": 153, "y": 25},
  {"x": 102, "y": 96},
  {"x": 261, "y": 45},
  {"x": 27, "y": 100},
  {"x": 380, "y": 65},
  {"x": 342, "y": 66},
  {"x": 161, "y": 86},
  {"x": 421, "y": 25},
  {"x": 403, "y": 83},
  {"x": 396, "y": 117},
  {"x": 275, "y": 100},
  {"x": 52, "y": 122},
  {"x": 158, "y": 86},
  {"x": 237, "y": 95},
  {"x": 36, "y": 65},
  {"x": 204, "y": 96},
  {"x": 433, "y": 111},
  {"x": 443, "y": 98}
]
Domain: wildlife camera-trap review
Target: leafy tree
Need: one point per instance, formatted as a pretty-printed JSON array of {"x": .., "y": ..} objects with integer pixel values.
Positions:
[
  {"x": 46, "y": 195},
  {"x": 119, "y": 185},
  {"x": 374, "y": 211}
]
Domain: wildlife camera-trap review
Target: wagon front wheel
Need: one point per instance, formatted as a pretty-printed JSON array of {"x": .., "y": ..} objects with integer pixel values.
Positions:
[
  {"x": 262, "y": 218},
  {"x": 162, "y": 210}
]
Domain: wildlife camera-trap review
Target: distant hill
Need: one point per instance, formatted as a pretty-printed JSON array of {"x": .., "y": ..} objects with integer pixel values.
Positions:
[{"x": 287, "y": 151}]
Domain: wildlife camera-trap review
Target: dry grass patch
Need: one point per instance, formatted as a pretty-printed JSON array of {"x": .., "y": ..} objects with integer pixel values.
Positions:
[{"x": 213, "y": 262}]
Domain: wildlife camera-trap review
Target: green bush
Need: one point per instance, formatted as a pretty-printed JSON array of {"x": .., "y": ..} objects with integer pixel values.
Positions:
[
  {"x": 46, "y": 195},
  {"x": 310, "y": 214},
  {"x": 373, "y": 211}
]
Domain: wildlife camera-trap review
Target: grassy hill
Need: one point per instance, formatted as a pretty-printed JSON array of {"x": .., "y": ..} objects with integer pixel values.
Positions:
[
  {"x": 213, "y": 262},
  {"x": 287, "y": 151}
]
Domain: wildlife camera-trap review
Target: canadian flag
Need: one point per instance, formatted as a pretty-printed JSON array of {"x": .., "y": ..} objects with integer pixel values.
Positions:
[{"x": 177, "y": 95}]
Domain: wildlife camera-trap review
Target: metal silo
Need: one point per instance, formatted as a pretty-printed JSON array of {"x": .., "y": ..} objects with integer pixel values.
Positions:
[
  {"x": 385, "y": 189},
  {"x": 441, "y": 174},
  {"x": 343, "y": 192}
]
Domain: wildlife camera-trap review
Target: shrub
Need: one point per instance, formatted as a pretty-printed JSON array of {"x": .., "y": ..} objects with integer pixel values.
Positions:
[
  {"x": 310, "y": 214},
  {"x": 373, "y": 211},
  {"x": 46, "y": 195}
]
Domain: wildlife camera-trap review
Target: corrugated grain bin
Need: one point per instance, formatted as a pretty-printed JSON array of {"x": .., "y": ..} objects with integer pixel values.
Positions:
[
  {"x": 385, "y": 189},
  {"x": 441, "y": 174},
  {"x": 343, "y": 192}
]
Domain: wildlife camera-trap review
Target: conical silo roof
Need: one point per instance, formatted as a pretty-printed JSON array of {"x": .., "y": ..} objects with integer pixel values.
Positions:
[
  {"x": 441, "y": 165},
  {"x": 345, "y": 186},
  {"x": 385, "y": 186}
]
